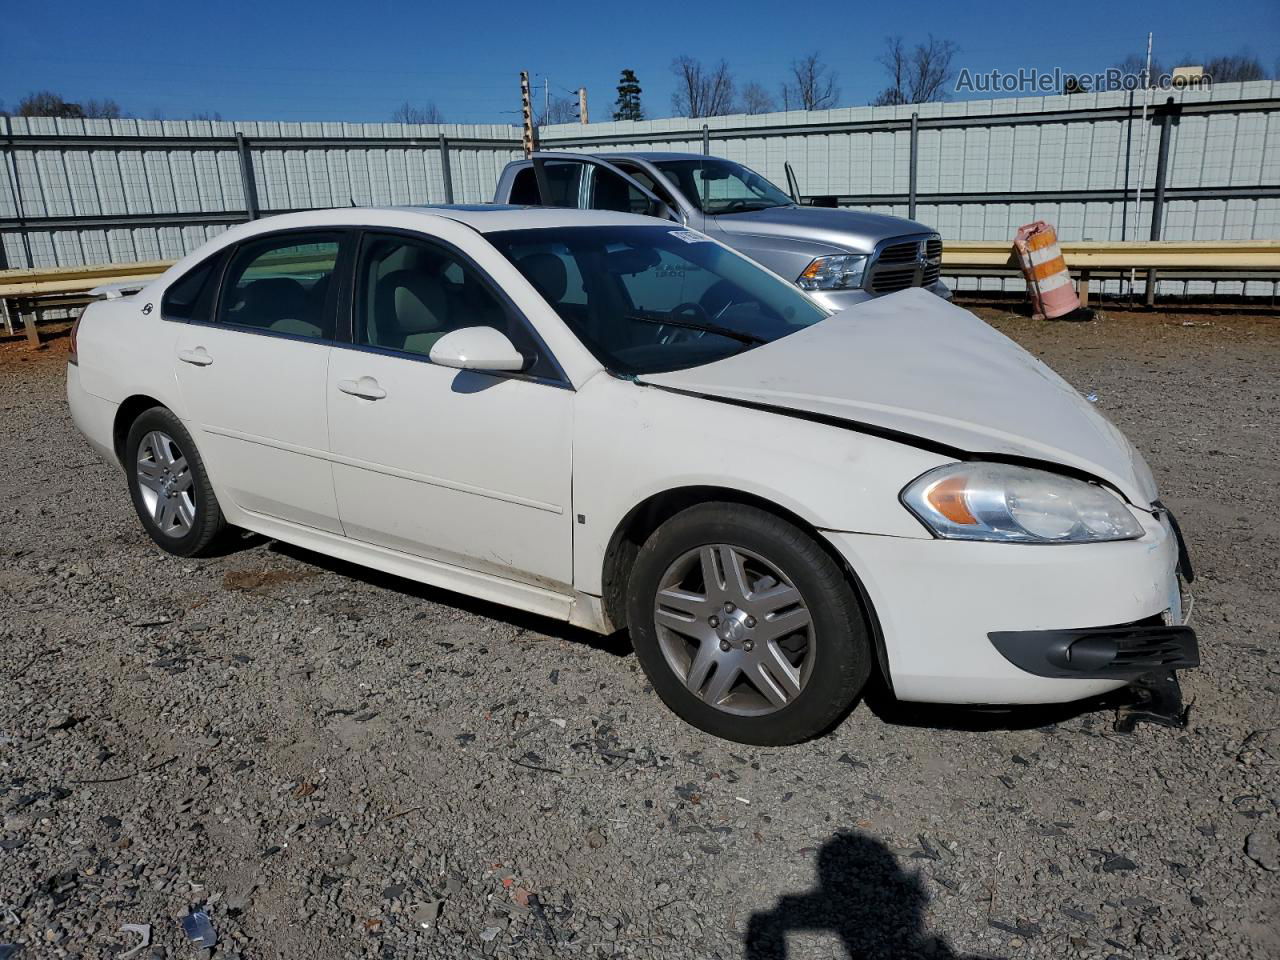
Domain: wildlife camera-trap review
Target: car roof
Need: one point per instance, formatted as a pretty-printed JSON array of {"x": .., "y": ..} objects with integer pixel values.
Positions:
[
  {"x": 655, "y": 155},
  {"x": 492, "y": 217},
  {"x": 481, "y": 217}
]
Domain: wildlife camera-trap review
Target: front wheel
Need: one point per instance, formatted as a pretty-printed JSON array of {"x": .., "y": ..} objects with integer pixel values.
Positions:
[
  {"x": 169, "y": 486},
  {"x": 746, "y": 627}
]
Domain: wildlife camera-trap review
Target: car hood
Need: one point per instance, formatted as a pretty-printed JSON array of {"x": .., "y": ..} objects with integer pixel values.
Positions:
[
  {"x": 847, "y": 229},
  {"x": 913, "y": 366}
]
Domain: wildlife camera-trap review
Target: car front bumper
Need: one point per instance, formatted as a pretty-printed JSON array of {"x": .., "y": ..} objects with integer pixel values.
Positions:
[
  {"x": 840, "y": 299},
  {"x": 938, "y": 604}
]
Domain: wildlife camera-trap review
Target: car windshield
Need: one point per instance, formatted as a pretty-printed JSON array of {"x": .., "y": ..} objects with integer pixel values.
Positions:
[
  {"x": 648, "y": 299},
  {"x": 717, "y": 186}
]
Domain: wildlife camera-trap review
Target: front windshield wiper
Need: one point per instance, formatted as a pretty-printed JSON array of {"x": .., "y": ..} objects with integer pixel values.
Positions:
[
  {"x": 750, "y": 207},
  {"x": 747, "y": 338}
]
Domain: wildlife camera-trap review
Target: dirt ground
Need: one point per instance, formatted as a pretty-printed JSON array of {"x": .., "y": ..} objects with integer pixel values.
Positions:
[{"x": 334, "y": 763}]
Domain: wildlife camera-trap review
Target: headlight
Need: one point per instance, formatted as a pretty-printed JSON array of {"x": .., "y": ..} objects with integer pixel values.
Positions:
[
  {"x": 996, "y": 501},
  {"x": 833, "y": 273}
]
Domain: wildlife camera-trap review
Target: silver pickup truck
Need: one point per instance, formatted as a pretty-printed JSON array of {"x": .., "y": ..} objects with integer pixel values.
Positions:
[{"x": 840, "y": 256}]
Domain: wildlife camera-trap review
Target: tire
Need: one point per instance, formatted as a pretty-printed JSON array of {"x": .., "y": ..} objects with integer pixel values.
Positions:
[
  {"x": 171, "y": 490},
  {"x": 691, "y": 645}
]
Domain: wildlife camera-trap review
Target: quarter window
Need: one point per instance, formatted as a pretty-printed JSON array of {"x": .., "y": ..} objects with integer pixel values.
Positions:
[
  {"x": 190, "y": 296},
  {"x": 282, "y": 285}
]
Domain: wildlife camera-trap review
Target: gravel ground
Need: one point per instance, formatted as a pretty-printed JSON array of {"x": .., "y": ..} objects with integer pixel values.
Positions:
[{"x": 334, "y": 763}]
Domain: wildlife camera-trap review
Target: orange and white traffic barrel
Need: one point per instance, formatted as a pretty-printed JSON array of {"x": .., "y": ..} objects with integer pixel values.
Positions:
[{"x": 1048, "y": 281}]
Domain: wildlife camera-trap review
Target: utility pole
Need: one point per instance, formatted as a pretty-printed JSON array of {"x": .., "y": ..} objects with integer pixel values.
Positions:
[
  {"x": 582, "y": 104},
  {"x": 526, "y": 107}
]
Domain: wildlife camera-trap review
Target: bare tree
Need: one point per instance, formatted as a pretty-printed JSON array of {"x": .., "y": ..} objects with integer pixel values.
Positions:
[
  {"x": 918, "y": 75},
  {"x": 701, "y": 91},
  {"x": 213, "y": 115},
  {"x": 46, "y": 103},
  {"x": 756, "y": 99},
  {"x": 1133, "y": 66},
  {"x": 555, "y": 109},
  {"x": 106, "y": 109},
  {"x": 1234, "y": 68},
  {"x": 812, "y": 85},
  {"x": 408, "y": 113}
]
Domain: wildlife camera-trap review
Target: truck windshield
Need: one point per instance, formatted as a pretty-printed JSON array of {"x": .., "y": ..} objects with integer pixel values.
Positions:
[
  {"x": 717, "y": 186},
  {"x": 648, "y": 299}
]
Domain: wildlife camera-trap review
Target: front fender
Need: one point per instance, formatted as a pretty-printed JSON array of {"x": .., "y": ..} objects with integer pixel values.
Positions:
[{"x": 632, "y": 442}]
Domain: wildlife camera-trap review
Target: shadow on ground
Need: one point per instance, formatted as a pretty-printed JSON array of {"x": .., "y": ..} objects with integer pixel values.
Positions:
[
  {"x": 978, "y": 719},
  {"x": 618, "y": 643},
  {"x": 863, "y": 896}
]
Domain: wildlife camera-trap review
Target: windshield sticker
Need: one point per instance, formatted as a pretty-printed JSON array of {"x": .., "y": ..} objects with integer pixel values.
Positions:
[{"x": 690, "y": 236}]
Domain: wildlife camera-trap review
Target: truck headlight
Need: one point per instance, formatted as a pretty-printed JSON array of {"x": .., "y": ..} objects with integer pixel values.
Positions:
[
  {"x": 833, "y": 273},
  {"x": 997, "y": 501}
]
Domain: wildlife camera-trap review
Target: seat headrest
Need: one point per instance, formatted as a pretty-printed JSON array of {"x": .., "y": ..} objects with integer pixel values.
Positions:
[
  {"x": 547, "y": 273},
  {"x": 417, "y": 300},
  {"x": 275, "y": 298}
]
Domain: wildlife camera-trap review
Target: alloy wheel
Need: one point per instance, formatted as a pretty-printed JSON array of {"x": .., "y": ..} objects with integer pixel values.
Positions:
[
  {"x": 735, "y": 629},
  {"x": 166, "y": 484}
]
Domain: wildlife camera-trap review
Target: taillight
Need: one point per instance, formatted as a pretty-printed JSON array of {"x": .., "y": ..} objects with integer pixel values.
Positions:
[{"x": 73, "y": 354}]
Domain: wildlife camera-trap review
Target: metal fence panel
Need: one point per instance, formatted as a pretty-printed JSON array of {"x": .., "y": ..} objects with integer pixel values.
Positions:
[{"x": 983, "y": 167}]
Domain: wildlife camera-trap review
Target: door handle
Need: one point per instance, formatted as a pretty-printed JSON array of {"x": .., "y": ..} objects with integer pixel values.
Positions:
[
  {"x": 198, "y": 357},
  {"x": 366, "y": 388}
]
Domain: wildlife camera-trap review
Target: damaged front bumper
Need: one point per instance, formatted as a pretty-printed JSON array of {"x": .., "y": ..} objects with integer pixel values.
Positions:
[{"x": 1121, "y": 652}]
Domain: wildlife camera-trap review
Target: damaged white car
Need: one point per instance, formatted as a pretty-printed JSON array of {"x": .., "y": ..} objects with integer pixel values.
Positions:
[{"x": 609, "y": 420}]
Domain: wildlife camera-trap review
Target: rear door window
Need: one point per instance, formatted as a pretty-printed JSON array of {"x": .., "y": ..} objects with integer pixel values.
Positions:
[{"x": 282, "y": 284}]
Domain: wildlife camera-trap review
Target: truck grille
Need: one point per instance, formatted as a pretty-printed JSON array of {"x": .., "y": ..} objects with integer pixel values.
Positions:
[{"x": 905, "y": 263}]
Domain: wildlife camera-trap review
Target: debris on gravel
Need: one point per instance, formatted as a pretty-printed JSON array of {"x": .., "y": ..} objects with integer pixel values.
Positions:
[{"x": 331, "y": 763}]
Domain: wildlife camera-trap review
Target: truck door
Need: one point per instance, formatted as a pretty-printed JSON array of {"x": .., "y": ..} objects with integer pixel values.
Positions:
[{"x": 584, "y": 183}]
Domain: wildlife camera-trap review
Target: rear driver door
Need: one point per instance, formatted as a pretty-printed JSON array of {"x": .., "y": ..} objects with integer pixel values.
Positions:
[{"x": 252, "y": 375}]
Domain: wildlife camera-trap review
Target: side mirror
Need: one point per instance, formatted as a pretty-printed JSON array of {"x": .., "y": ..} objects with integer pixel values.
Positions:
[{"x": 477, "y": 348}]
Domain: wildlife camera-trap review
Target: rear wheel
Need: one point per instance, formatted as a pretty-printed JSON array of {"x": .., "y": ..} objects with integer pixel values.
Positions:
[
  {"x": 169, "y": 486},
  {"x": 745, "y": 626}
]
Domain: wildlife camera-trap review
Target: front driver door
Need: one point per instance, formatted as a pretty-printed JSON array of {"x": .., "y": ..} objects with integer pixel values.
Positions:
[
  {"x": 465, "y": 468},
  {"x": 253, "y": 377}
]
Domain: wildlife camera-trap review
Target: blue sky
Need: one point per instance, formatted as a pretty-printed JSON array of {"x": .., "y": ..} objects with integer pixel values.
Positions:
[{"x": 331, "y": 60}]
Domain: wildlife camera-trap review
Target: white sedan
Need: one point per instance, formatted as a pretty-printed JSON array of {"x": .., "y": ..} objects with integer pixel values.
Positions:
[{"x": 608, "y": 420}]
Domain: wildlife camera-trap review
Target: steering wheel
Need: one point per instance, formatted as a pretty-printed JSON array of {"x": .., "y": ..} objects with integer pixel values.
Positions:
[{"x": 674, "y": 334}]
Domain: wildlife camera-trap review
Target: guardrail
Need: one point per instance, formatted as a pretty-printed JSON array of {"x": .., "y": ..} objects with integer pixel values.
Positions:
[
  {"x": 1244, "y": 259},
  {"x": 1187, "y": 260}
]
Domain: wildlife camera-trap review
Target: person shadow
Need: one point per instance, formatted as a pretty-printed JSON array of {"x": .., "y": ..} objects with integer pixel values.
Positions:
[{"x": 863, "y": 896}]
